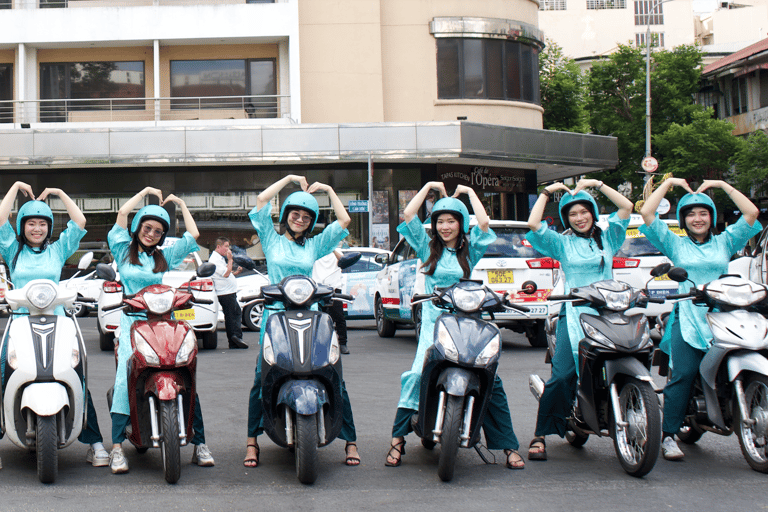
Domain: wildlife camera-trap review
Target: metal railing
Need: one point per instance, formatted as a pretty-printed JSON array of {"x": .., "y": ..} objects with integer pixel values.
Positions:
[
  {"x": 63, "y": 4},
  {"x": 93, "y": 110}
]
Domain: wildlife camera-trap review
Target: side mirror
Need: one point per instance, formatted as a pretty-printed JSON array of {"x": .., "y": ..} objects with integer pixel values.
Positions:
[
  {"x": 382, "y": 258},
  {"x": 85, "y": 261},
  {"x": 206, "y": 270},
  {"x": 349, "y": 259},
  {"x": 660, "y": 270},
  {"x": 105, "y": 272},
  {"x": 678, "y": 274}
]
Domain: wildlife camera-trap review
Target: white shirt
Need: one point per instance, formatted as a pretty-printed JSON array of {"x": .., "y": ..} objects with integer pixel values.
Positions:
[
  {"x": 223, "y": 285},
  {"x": 326, "y": 271}
]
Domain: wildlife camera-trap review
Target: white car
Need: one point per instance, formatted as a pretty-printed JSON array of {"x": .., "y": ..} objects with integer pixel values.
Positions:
[
  {"x": 508, "y": 263},
  {"x": 359, "y": 281},
  {"x": 202, "y": 317},
  {"x": 249, "y": 283},
  {"x": 88, "y": 287}
]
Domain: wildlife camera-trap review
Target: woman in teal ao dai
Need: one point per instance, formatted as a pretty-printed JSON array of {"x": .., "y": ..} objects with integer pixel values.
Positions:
[
  {"x": 293, "y": 253},
  {"x": 31, "y": 255},
  {"x": 586, "y": 256},
  {"x": 451, "y": 255},
  {"x": 141, "y": 263},
  {"x": 705, "y": 255}
]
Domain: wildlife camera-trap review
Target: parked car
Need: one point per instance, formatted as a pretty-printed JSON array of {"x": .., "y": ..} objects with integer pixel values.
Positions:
[
  {"x": 202, "y": 317},
  {"x": 752, "y": 263},
  {"x": 508, "y": 263},
  {"x": 359, "y": 281},
  {"x": 249, "y": 283}
]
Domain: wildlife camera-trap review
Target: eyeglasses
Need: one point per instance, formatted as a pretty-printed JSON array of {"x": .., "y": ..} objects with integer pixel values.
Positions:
[
  {"x": 149, "y": 230},
  {"x": 298, "y": 217}
]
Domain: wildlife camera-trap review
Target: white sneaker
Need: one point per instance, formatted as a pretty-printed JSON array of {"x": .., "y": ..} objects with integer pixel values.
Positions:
[
  {"x": 201, "y": 456},
  {"x": 97, "y": 456},
  {"x": 117, "y": 460},
  {"x": 670, "y": 450}
]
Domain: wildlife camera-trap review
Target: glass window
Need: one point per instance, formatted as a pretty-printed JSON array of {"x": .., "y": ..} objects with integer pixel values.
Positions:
[
  {"x": 401, "y": 251},
  {"x": 657, "y": 39},
  {"x": 606, "y": 4},
  {"x": 487, "y": 68},
  {"x": 6, "y": 93},
  {"x": 511, "y": 243},
  {"x": 644, "y": 15},
  {"x": 262, "y": 82},
  {"x": 553, "y": 5},
  {"x": 6, "y": 4}
]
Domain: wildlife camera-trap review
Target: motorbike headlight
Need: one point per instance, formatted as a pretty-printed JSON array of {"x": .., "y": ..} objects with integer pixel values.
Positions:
[
  {"x": 444, "y": 340},
  {"x": 146, "y": 350},
  {"x": 10, "y": 357},
  {"x": 333, "y": 357},
  {"x": 266, "y": 350},
  {"x": 187, "y": 346},
  {"x": 159, "y": 303},
  {"x": 467, "y": 300},
  {"x": 616, "y": 301},
  {"x": 299, "y": 290},
  {"x": 741, "y": 294},
  {"x": 41, "y": 295},
  {"x": 596, "y": 335},
  {"x": 490, "y": 351}
]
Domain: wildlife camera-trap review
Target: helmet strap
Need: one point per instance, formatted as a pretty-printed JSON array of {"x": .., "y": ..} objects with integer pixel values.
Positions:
[
  {"x": 150, "y": 251},
  {"x": 299, "y": 239}
]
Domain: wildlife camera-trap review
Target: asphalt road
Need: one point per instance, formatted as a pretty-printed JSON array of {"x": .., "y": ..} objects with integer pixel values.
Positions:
[{"x": 713, "y": 476}]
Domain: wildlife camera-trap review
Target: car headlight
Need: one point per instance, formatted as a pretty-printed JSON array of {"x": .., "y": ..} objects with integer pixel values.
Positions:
[
  {"x": 10, "y": 357},
  {"x": 444, "y": 340},
  {"x": 596, "y": 335},
  {"x": 490, "y": 351},
  {"x": 333, "y": 357},
  {"x": 468, "y": 300},
  {"x": 41, "y": 295},
  {"x": 616, "y": 301},
  {"x": 187, "y": 346},
  {"x": 159, "y": 303},
  {"x": 299, "y": 290},
  {"x": 266, "y": 350},
  {"x": 145, "y": 349}
]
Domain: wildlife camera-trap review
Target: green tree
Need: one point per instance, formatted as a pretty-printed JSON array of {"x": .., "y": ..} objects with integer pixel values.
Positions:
[
  {"x": 752, "y": 164},
  {"x": 563, "y": 91}
]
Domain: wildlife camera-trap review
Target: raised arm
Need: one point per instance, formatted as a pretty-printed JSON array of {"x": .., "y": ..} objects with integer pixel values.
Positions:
[
  {"x": 483, "y": 221},
  {"x": 648, "y": 211},
  {"x": 747, "y": 208},
  {"x": 413, "y": 207},
  {"x": 129, "y": 205},
  {"x": 623, "y": 204},
  {"x": 189, "y": 222},
  {"x": 338, "y": 207},
  {"x": 74, "y": 212},
  {"x": 537, "y": 212},
  {"x": 271, "y": 191},
  {"x": 10, "y": 197}
]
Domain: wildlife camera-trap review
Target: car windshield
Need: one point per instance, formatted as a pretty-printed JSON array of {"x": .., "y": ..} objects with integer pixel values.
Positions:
[
  {"x": 637, "y": 245},
  {"x": 511, "y": 243},
  {"x": 188, "y": 264},
  {"x": 366, "y": 263}
]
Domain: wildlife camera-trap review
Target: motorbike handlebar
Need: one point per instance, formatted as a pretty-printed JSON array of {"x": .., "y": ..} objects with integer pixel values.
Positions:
[
  {"x": 657, "y": 300},
  {"x": 419, "y": 297},
  {"x": 559, "y": 297},
  {"x": 512, "y": 305},
  {"x": 113, "y": 307},
  {"x": 343, "y": 296},
  {"x": 680, "y": 295},
  {"x": 203, "y": 301}
]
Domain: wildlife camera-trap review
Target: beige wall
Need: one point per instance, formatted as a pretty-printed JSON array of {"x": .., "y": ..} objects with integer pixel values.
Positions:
[{"x": 748, "y": 24}]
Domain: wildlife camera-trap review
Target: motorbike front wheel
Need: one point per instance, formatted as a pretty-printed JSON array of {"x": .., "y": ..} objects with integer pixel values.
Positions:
[
  {"x": 306, "y": 448},
  {"x": 169, "y": 440},
  {"x": 47, "y": 444},
  {"x": 449, "y": 440},
  {"x": 637, "y": 445},
  {"x": 753, "y": 430}
]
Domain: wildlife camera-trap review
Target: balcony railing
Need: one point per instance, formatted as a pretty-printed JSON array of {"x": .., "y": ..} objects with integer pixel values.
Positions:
[
  {"x": 94, "y": 110},
  {"x": 62, "y": 4}
]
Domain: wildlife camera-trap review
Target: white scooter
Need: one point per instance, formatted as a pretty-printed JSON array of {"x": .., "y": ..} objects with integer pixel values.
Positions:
[{"x": 45, "y": 373}]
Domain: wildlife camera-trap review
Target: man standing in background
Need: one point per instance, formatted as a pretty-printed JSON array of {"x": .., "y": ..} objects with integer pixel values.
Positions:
[{"x": 226, "y": 287}]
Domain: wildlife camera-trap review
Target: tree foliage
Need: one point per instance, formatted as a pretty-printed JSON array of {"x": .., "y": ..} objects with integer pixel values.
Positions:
[
  {"x": 751, "y": 172},
  {"x": 563, "y": 91}
]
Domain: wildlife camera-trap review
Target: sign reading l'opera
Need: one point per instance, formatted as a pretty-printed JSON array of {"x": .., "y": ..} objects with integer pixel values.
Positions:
[{"x": 487, "y": 179}]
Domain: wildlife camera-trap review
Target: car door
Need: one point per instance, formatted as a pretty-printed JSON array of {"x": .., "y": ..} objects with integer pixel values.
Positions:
[{"x": 388, "y": 280}]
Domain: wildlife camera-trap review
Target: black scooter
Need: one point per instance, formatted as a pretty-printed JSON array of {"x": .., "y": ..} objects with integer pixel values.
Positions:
[{"x": 459, "y": 369}]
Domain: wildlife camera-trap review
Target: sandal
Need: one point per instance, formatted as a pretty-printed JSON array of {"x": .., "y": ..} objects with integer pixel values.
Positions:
[
  {"x": 252, "y": 462},
  {"x": 517, "y": 463},
  {"x": 542, "y": 453},
  {"x": 352, "y": 460},
  {"x": 399, "y": 450}
]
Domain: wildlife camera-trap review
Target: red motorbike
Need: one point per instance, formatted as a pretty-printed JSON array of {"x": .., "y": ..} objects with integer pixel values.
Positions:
[{"x": 161, "y": 370}]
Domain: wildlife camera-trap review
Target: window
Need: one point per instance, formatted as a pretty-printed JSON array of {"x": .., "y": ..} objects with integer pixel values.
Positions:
[
  {"x": 6, "y": 4},
  {"x": 606, "y": 4},
  {"x": 648, "y": 12},
  {"x": 105, "y": 86},
  {"x": 477, "y": 68},
  {"x": 739, "y": 96},
  {"x": 6, "y": 93},
  {"x": 553, "y": 5},
  {"x": 657, "y": 40},
  {"x": 226, "y": 84},
  {"x": 763, "y": 88}
]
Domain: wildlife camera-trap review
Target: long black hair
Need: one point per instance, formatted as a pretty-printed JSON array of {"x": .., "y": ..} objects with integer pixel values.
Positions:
[
  {"x": 437, "y": 246},
  {"x": 685, "y": 210},
  {"x": 23, "y": 240}
]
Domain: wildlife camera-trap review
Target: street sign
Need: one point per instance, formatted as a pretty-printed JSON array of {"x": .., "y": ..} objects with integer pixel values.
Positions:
[
  {"x": 649, "y": 164},
  {"x": 358, "y": 206}
]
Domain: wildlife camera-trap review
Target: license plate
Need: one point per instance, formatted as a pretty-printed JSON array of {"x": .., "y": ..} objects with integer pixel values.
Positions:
[
  {"x": 665, "y": 277},
  {"x": 184, "y": 314},
  {"x": 661, "y": 292},
  {"x": 500, "y": 277}
]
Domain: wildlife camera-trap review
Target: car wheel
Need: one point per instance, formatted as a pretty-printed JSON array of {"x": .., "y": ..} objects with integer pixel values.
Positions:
[
  {"x": 537, "y": 335},
  {"x": 80, "y": 310},
  {"x": 385, "y": 328},
  {"x": 252, "y": 316},
  {"x": 417, "y": 320},
  {"x": 106, "y": 341},
  {"x": 210, "y": 339}
]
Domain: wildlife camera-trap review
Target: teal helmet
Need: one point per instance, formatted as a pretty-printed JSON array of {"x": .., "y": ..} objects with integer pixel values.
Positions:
[
  {"x": 688, "y": 201},
  {"x": 301, "y": 201},
  {"x": 582, "y": 197},
  {"x": 454, "y": 207},
  {"x": 34, "y": 210},
  {"x": 152, "y": 212}
]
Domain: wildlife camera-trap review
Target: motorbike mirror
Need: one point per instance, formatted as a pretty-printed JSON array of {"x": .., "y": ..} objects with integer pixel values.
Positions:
[
  {"x": 106, "y": 272},
  {"x": 678, "y": 274},
  {"x": 529, "y": 287},
  {"x": 206, "y": 270},
  {"x": 349, "y": 259},
  {"x": 85, "y": 261},
  {"x": 660, "y": 270}
]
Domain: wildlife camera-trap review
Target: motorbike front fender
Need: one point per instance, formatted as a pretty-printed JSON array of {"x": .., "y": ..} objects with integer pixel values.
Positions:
[
  {"x": 626, "y": 366},
  {"x": 303, "y": 396},
  {"x": 44, "y": 398},
  {"x": 746, "y": 361},
  {"x": 164, "y": 385},
  {"x": 458, "y": 381}
]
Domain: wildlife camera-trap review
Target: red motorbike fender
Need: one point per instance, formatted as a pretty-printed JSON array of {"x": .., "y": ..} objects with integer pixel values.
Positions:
[{"x": 165, "y": 386}]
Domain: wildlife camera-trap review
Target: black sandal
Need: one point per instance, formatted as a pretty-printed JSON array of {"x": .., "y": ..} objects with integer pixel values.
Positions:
[
  {"x": 542, "y": 455},
  {"x": 511, "y": 465},
  {"x": 254, "y": 460},
  {"x": 399, "y": 448},
  {"x": 351, "y": 460}
]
